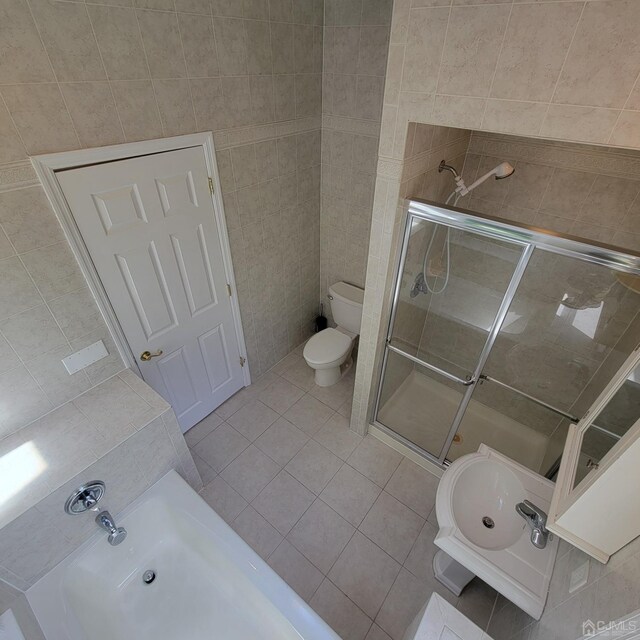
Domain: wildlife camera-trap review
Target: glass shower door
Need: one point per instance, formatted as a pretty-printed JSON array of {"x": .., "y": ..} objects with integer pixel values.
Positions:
[
  {"x": 449, "y": 301},
  {"x": 501, "y": 334},
  {"x": 570, "y": 326}
]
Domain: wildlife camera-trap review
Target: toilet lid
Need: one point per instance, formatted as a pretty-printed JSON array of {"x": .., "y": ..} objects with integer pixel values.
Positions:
[{"x": 326, "y": 346}]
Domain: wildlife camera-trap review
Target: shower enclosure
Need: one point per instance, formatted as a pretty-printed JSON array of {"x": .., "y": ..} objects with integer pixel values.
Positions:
[{"x": 515, "y": 335}]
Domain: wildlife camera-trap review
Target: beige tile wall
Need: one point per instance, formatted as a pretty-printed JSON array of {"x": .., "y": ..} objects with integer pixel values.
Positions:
[
  {"x": 76, "y": 74},
  {"x": 13, "y": 599},
  {"x": 8, "y": 594},
  {"x": 563, "y": 70},
  {"x": 588, "y": 191},
  {"x": 120, "y": 432},
  {"x": 77, "y": 434},
  {"x": 573, "y": 88},
  {"x": 46, "y": 313},
  {"x": 356, "y": 37},
  {"x": 563, "y": 187},
  {"x": 272, "y": 204},
  {"x": 579, "y": 86}
]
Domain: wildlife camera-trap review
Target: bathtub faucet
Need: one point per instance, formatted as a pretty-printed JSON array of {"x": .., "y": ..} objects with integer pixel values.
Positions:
[{"x": 116, "y": 534}]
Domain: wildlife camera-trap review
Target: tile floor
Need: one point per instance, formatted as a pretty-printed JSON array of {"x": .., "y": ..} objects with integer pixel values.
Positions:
[{"x": 346, "y": 521}]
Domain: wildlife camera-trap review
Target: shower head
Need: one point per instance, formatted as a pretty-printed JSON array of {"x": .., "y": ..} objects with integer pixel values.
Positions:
[{"x": 502, "y": 171}]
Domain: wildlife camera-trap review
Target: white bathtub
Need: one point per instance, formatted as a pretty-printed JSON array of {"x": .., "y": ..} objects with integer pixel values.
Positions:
[{"x": 210, "y": 583}]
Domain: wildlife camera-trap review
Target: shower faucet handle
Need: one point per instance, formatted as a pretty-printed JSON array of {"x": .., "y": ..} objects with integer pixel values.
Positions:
[{"x": 84, "y": 497}]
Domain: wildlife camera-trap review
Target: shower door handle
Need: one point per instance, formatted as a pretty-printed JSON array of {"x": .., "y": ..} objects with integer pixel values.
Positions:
[{"x": 464, "y": 382}]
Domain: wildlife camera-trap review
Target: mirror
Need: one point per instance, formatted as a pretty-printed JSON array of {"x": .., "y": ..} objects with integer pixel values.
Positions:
[
  {"x": 610, "y": 424},
  {"x": 600, "y": 469}
]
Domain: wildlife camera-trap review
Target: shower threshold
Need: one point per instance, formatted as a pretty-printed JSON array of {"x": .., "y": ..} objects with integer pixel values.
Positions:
[{"x": 421, "y": 410}]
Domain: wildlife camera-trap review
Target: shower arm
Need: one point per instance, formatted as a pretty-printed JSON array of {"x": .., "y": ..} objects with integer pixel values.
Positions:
[{"x": 502, "y": 171}]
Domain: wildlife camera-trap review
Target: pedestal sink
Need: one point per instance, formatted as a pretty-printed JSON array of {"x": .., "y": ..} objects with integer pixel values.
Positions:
[{"x": 480, "y": 529}]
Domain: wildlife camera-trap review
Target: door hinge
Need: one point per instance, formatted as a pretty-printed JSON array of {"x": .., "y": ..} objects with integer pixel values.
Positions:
[
  {"x": 211, "y": 185},
  {"x": 242, "y": 361},
  {"x": 229, "y": 290}
]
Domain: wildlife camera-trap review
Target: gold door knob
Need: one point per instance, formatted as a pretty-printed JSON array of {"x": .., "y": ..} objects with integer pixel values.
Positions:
[{"x": 147, "y": 355}]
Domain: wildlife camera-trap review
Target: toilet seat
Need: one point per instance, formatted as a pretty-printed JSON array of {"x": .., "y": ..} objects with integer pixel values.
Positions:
[{"x": 326, "y": 347}]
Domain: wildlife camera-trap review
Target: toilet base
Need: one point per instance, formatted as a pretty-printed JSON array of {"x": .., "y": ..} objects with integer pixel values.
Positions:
[
  {"x": 451, "y": 573},
  {"x": 328, "y": 377}
]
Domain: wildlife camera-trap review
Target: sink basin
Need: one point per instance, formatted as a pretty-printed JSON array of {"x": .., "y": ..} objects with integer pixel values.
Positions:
[
  {"x": 480, "y": 529},
  {"x": 483, "y": 500}
]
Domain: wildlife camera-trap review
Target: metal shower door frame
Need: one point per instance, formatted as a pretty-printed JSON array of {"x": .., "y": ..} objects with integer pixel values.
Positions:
[
  {"x": 498, "y": 321},
  {"x": 529, "y": 238},
  {"x": 467, "y": 384}
]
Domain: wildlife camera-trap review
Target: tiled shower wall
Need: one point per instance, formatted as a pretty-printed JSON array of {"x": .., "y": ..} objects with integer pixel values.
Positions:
[
  {"x": 356, "y": 40},
  {"x": 566, "y": 188},
  {"x": 587, "y": 191},
  {"x": 76, "y": 74},
  {"x": 590, "y": 192},
  {"x": 581, "y": 86}
]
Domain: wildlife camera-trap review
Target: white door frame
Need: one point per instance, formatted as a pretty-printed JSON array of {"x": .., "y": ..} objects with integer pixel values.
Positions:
[{"x": 46, "y": 166}]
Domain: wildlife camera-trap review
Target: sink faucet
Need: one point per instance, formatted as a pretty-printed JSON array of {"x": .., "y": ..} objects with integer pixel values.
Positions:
[
  {"x": 116, "y": 534},
  {"x": 536, "y": 518}
]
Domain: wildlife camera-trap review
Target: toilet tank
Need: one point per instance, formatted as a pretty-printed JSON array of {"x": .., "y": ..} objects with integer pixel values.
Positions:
[{"x": 346, "y": 305}]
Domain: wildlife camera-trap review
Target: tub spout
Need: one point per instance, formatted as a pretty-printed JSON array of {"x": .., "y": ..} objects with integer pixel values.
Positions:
[{"x": 116, "y": 534}]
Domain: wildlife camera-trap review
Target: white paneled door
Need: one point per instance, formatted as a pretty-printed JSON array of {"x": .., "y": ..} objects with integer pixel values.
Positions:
[{"x": 150, "y": 228}]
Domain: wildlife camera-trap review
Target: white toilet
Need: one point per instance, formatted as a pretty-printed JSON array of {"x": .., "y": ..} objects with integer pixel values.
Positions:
[{"x": 329, "y": 351}]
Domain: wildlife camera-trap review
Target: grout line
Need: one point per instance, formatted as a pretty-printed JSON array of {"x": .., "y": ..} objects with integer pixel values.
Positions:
[
  {"x": 149, "y": 79},
  {"x": 444, "y": 44},
  {"x": 313, "y": 565},
  {"x": 113, "y": 96},
  {"x": 357, "y": 605},
  {"x": 55, "y": 408},
  {"x": 563, "y": 148},
  {"x": 495, "y": 71},
  {"x": 186, "y": 68},
  {"x": 357, "y": 528},
  {"x": 44, "y": 302},
  {"x": 493, "y": 610},
  {"x": 15, "y": 127},
  {"x": 564, "y": 62},
  {"x": 53, "y": 71},
  {"x": 538, "y": 209},
  {"x": 634, "y": 202},
  {"x": 626, "y": 102},
  {"x": 220, "y": 75}
]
